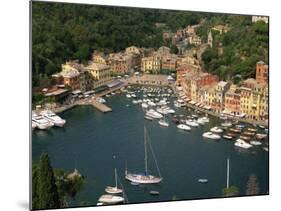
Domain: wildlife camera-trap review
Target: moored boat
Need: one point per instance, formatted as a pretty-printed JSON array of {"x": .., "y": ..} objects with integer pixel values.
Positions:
[
  {"x": 243, "y": 144},
  {"x": 52, "y": 117},
  {"x": 211, "y": 135},
  {"x": 192, "y": 123},
  {"x": 110, "y": 199},
  {"x": 183, "y": 127},
  {"x": 216, "y": 130},
  {"x": 202, "y": 180},
  {"x": 164, "y": 123},
  {"x": 256, "y": 143},
  {"x": 41, "y": 122},
  {"x": 227, "y": 137}
]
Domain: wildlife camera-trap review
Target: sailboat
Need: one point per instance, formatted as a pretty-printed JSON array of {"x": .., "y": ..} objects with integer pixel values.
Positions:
[
  {"x": 115, "y": 189},
  {"x": 144, "y": 178}
]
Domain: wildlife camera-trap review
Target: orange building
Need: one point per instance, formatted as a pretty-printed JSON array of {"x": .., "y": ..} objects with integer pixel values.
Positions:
[
  {"x": 232, "y": 100},
  {"x": 262, "y": 72}
]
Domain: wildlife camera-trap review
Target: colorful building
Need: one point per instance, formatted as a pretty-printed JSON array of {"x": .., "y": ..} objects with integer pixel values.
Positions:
[
  {"x": 262, "y": 72},
  {"x": 151, "y": 64},
  {"x": 100, "y": 74},
  {"x": 232, "y": 100}
]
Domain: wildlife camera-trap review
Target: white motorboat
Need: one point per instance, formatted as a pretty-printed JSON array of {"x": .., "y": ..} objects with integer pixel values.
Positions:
[
  {"x": 115, "y": 189},
  {"x": 100, "y": 100},
  {"x": 133, "y": 95},
  {"x": 148, "y": 118},
  {"x": 128, "y": 96},
  {"x": 144, "y": 105},
  {"x": 226, "y": 124},
  {"x": 191, "y": 123},
  {"x": 183, "y": 127},
  {"x": 243, "y": 144},
  {"x": 154, "y": 114},
  {"x": 205, "y": 119},
  {"x": 150, "y": 103},
  {"x": 135, "y": 102},
  {"x": 41, "y": 122},
  {"x": 200, "y": 121},
  {"x": 227, "y": 137},
  {"x": 211, "y": 135},
  {"x": 216, "y": 130},
  {"x": 164, "y": 123},
  {"x": 203, "y": 180},
  {"x": 52, "y": 117},
  {"x": 144, "y": 178},
  {"x": 111, "y": 199},
  {"x": 256, "y": 143}
]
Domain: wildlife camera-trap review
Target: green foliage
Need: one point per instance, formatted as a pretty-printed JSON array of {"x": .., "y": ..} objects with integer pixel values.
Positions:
[
  {"x": 174, "y": 49},
  {"x": 243, "y": 46},
  {"x": 44, "y": 189},
  {"x": 231, "y": 191},
  {"x": 48, "y": 194}
]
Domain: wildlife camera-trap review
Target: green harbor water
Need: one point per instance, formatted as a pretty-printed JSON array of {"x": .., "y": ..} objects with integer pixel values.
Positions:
[{"x": 95, "y": 143}]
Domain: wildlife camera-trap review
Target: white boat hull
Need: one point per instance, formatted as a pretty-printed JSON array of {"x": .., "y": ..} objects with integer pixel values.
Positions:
[{"x": 143, "y": 179}]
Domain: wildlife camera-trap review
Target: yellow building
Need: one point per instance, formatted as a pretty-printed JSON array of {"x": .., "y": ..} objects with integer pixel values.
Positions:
[
  {"x": 151, "y": 64},
  {"x": 132, "y": 50},
  {"x": 100, "y": 74},
  {"x": 245, "y": 101}
]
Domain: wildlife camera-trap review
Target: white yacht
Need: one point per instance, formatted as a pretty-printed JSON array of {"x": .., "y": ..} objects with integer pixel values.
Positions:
[
  {"x": 52, "y": 117},
  {"x": 183, "y": 127},
  {"x": 211, "y": 135},
  {"x": 164, "y": 123},
  {"x": 154, "y": 114},
  {"x": 133, "y": 95},
  {"x": 191, "y": 123},
  {"x": 243, "y": 144},
  {"x": 40, "y": 122},
  {"x": 135, "y": 102},
  {"x": 128, "y": 95},
  {"x": 216, "y": 130},
  {"x": 111, "y": 199},
  {"x": 144, "y": 105}
]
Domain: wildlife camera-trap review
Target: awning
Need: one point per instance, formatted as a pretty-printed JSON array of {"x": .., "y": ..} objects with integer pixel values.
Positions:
[{"x": 113, "y": 84}]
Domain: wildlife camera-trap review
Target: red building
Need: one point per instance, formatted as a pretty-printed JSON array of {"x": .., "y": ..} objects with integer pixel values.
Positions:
[{"x": 262, "y": 72}]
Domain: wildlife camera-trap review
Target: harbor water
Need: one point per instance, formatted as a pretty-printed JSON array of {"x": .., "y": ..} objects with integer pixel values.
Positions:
[{"x": 95, "y": 143}]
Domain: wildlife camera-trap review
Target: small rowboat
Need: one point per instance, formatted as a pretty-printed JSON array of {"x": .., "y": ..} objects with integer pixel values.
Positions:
[
  {"x": 154, "y": 193},
  {"x": 202, "y": 180}
]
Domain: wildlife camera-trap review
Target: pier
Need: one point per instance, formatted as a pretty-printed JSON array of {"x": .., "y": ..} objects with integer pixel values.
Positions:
[{"x": 100, "y": 106}]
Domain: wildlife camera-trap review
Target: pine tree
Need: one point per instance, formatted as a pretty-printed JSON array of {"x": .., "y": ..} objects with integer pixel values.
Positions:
[
  {"x": 35, "y": 193},
  {"x": 48, "y": 193}
]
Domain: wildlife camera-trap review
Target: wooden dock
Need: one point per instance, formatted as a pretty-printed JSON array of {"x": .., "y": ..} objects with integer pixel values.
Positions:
[{"x": 102, "y": 107}]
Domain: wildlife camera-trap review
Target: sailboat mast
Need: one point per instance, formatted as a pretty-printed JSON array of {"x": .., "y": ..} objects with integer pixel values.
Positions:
[
  {"x": 227, "y": 174},
  {"x": 145, "y": 151},
  {"x": 115, "y": 177}
]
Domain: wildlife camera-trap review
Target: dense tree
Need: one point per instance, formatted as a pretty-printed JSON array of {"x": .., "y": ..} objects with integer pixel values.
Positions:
[
  {"x": 48, "y": 193},
  {"x": 245, "y": 44},
  {"x": 35, "y": 186}
]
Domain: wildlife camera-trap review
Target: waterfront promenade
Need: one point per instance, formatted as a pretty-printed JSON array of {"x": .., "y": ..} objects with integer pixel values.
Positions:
[{"x": 150, "y": 80}]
